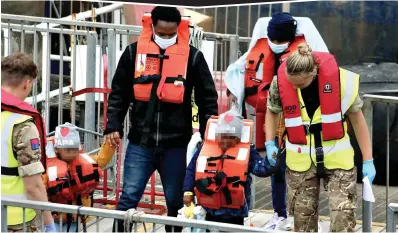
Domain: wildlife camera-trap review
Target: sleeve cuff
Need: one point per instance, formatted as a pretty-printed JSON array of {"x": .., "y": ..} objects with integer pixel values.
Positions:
[{"x": 31, "y": 169}]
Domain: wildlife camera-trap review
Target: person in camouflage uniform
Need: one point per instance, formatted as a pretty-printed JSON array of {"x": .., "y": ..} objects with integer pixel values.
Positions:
[
  {"x": 304, "y": 186},
  {"x": 21, "y": 145}
]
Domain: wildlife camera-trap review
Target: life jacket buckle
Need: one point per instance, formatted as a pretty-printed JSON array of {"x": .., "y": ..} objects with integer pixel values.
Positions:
[
  {"x": 236, "y": 181},
  {"x": 307, "y": 129},
  {"x": 178, "y": 83},
  {"x": 319, "y": 154},
  {"x": 61, "y": 178}
]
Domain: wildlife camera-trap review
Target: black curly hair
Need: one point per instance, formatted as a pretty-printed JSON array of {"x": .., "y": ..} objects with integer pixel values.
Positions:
[{"x": 168, "y": 14}]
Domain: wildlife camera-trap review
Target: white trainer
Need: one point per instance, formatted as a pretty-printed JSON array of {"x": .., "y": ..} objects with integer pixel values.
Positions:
[
  {"x": 278, "y": 223},
  {"x": 319, "y": 226}
]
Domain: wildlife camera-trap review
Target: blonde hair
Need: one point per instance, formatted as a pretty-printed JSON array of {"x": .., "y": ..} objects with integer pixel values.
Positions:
[{"x": 302, "y": 61}]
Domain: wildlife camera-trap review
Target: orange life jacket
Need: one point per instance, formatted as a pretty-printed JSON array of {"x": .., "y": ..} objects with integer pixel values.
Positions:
[
  {"x": 85, "y": 174},
  {"x": 260, "y": 70},
  {"x": 58, "y": 178},
  {"x": 220, "y": 179},
  {"x": 84, "y": 201},
  {"x": 65, "y": 182},
  {"x": 330, "y": 101},
  {"x": 167, "y": 72}
]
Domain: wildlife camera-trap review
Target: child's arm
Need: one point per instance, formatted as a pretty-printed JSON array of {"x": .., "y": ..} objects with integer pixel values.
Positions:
[
  {"x": 190, "y": 173},
  {"x": 189, "y": 180},
  {"x": 104, "y": 155},
  {"x": 257, "y": 164}
]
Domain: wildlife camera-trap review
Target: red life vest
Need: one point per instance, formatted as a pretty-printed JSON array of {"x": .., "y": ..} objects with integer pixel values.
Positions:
[
  {"x": 220, "y": 179},
  {"x": 85, "y": 174},
  {"x": 329, "y": 97},
  {"x": 58, "y": 178},
  {"x": 12, "y": 104},
  {"x": 260, "y": 70},
  {"x": 169, "y": 70}
]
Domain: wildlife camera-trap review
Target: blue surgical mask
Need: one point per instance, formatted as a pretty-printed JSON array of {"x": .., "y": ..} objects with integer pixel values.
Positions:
[{"x": 278, "y": 48}]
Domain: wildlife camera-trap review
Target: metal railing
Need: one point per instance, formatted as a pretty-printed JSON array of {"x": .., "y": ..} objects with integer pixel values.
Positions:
[
  {"x": 369, "y": 100},
  {"x": 392, "y": 215},
  {"x": 225, "y": 50},
  {"x": 119, "y": 215}
]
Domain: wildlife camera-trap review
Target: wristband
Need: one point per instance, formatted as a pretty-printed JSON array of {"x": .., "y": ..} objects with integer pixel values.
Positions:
[{"x": 188, "y": 193}]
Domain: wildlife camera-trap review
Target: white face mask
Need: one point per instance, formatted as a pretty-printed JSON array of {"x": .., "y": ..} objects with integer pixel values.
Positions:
[
  {"x": 164, "y": 43},
  {"x": 278, "y": 48}
]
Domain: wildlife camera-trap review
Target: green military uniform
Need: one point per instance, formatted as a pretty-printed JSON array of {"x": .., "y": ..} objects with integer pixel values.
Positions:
[{"x": 303, "y": 187}]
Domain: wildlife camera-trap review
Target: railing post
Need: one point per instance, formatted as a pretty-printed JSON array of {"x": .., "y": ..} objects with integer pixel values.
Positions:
[
  {"x": 366, "y": 205},
  {"x": 73, "y": 75},
  {"x": 4, "y": 227},
  {"x": 391, "y": 220},
  {"x": 111, "y": 55},
  {"x": 89, "y": 113},
  {"x": 233, "y": 49}
]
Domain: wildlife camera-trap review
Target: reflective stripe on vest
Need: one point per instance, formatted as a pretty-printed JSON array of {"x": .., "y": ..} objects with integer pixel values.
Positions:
[
  {"x": 12, "y": 187},
  {"x": 338, "y": 154}
]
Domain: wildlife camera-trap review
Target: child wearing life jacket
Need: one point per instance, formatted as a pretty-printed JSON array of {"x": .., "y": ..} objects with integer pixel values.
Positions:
[
  {"x": 71, "y": 176},
  {"x": 218, "y": 174}
]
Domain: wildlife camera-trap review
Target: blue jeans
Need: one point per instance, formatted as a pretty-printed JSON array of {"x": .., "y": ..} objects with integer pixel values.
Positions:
[
  {"x": 65, "y": 227},
  {"x": 139, "y": 164},
  {"x": 278, "y": 184}
]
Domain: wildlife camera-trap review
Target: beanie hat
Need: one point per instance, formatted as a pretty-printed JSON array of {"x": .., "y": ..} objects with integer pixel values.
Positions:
[
  {"x": 282, "y": 27},
  {"x": 231, "y": 123},
  {"x": 67, "y": 136}
]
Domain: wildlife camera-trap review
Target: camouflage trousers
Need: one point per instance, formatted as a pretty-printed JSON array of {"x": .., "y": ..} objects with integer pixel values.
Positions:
[
  {"x": 32, "y": 226},
  {"x": 303, "y": 198}
]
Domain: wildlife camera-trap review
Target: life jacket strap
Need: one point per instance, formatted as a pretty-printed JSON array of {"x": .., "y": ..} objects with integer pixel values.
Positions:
[{"x": 9, "y": 171}]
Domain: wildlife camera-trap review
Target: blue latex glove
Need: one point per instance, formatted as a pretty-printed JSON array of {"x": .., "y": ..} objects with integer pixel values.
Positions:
[
  {"x": 271, "y": 149},
  {"x": 368, "y": 169},
  {"x": 50, "y": 228}
]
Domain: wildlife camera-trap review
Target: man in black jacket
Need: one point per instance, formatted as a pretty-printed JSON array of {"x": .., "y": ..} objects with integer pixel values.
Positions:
[{"x": 160, "y": 131}]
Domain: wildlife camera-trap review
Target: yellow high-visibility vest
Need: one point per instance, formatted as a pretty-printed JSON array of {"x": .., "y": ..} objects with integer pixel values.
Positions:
[
  {"x": 12, "y": 185},
  {"x": 338, "y": 154}
]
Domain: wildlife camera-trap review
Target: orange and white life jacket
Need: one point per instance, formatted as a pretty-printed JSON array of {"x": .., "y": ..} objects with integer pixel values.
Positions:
[
  {"x": 58, "y": 178},
  {"x": 167, "y": 72},
  {"x": 220, "y": 178},
  {"x": 66, "y": 182},
  {"x": 85, "y": 174},
  {"x": 260, "y": 70},
  {"x": 329, "y": 97}
]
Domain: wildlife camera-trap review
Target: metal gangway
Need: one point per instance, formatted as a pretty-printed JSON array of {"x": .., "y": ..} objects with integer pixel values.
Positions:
[{"x": 93, "y": 59}]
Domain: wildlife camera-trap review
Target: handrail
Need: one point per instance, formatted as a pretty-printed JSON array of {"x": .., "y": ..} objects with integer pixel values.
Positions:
[
  {"x": 369, "y": 99},
  {"x": 117, "y": 214},
  {"x": 381, "y": 98},
  {"x": 392, "y": 214},
  {"x": 69, "y": 22},
  {"x": 130, "y": 28}
]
